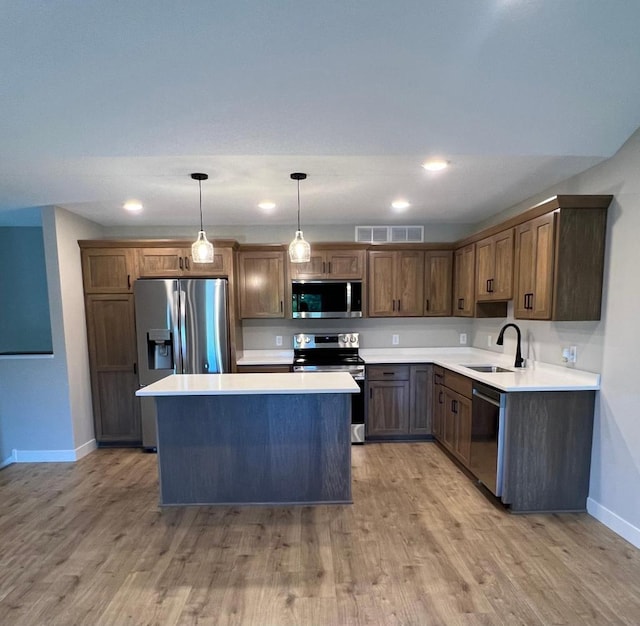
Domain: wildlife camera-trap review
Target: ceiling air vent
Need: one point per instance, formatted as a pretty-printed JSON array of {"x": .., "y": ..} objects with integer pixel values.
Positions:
[{"x": 395, "y": 234}]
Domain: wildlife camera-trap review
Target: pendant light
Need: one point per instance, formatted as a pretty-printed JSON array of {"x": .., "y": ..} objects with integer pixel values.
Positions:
[
  {"x": 299, "y": 249},
  {"x": 202, "y": 248}
]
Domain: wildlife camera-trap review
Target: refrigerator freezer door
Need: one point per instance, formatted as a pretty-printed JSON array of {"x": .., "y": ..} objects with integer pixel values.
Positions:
[
  {"x": 157, "y": 330},
  {"x": 204, "y": 328}
]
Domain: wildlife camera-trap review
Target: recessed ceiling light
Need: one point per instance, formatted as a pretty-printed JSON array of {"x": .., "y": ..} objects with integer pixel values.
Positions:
[
  {"x": 435, "y": 165},
  {"x": 267, "y": 206},
  {"x": 132, "y": 205},
  {"x": 400, "y": 205}
]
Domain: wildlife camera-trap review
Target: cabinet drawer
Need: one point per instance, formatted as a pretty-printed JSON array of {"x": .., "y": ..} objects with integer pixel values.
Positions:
[
  {"x": 387, "y": 372},
  {"x": 458, "y": 383}
]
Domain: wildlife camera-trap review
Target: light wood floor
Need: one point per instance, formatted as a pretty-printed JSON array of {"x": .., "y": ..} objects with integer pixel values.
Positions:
[{"x": 86, "y": 543}]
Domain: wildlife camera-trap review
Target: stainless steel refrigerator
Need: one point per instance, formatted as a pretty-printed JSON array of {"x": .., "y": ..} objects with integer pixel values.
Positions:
[{"x": 182, "y": 328}]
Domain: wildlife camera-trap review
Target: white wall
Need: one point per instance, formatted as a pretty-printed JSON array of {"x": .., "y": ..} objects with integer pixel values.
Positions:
[{"x": 45, "y": 408}]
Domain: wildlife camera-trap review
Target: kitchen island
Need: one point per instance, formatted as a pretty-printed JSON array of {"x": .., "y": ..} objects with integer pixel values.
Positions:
[{"x": 254, "y": 438}]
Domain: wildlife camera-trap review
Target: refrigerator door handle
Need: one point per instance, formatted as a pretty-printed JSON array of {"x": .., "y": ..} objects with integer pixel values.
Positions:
[
  {"x": 175, "y": 330},
  {"x": 183, "y": 329}
]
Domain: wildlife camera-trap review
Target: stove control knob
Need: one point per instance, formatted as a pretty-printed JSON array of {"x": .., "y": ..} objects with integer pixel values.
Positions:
[
  {"x": 307, "y": 339},
  {"x": 352, "y": 339}
]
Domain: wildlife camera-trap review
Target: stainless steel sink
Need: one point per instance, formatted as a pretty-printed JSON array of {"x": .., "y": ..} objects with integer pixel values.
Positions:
[{"x": 489, "y": 369}]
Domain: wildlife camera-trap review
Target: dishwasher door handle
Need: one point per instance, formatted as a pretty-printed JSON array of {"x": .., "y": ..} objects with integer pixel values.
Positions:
[{"x": 486, "y": 398}]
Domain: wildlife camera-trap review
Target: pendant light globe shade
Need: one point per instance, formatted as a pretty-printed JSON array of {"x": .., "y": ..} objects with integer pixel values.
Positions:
[
  {"x": 201, "y": 248},
  {"x": 299, "y": 249}
]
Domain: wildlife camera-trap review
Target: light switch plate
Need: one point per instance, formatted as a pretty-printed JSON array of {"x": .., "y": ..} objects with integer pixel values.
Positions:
[
  {"x": 278, "y": 340},
  {"x": 463, "y": 339},
  {"x": 395, "y": 339}
]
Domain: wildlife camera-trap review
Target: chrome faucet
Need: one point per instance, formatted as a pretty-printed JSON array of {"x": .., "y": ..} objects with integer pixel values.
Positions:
[{"x": 500, "y": 340}]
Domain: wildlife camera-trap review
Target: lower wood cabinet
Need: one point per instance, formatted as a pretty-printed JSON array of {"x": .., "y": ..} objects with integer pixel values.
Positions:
[
  {"x": 398, "y": 401},
  {"x": 114, "y": 378},
  {"x": 452, "y": 408}
]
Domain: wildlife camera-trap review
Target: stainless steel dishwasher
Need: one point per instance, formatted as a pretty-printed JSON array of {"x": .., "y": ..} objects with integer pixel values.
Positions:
[{"x": 487, "y": 436}]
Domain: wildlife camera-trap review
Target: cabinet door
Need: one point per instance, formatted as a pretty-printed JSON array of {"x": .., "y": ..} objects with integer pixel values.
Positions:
[
  {"x": 534, "y": 263},
  {"x": 108, "y": 270},
  {"x": 221, "y": 265},
  {"x": 345, "y": 264},
  {"x": 502, "y": 285},
  {"x": 462, "y": 442},
  {"x": 544, "y": 253},
  {"x": 438, "y": 402},
  {"x": 409, "y": 280},
  {"x": 438, "y": 268},
  {"x": 387, "y": 408},
  {"x": 420, "y": 411},
  {"x": 112, "y": 352},
  {"x": 382, "y": 302},
  {"x": 315, "y": 268},
  {"x": 261, "y": 277},
  {"x": 464, "y": 272},
  {"x": 485, "y": 257},
  {"x": 449, "y": 419},
  {"x": 162, "y": 262}
]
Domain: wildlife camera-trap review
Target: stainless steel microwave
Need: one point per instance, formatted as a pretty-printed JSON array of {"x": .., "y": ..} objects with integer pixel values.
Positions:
[{"x": 326, "y": 298}]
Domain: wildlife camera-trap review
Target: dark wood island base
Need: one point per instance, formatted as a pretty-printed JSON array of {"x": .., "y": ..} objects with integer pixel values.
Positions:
[{"x": 265, "y": 449}]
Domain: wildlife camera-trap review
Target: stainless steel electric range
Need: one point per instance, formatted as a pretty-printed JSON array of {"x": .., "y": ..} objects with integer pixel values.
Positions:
[{"x": 334, "y": 353}]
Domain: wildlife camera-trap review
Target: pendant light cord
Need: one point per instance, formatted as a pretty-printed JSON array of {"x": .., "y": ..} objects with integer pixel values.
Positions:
[
  {"x": 200, "y": 188},
  {"x": 298, "y": 204}
]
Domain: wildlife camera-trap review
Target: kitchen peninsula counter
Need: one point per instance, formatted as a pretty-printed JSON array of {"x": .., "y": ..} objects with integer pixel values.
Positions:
[{"x": 254, "y": 438}]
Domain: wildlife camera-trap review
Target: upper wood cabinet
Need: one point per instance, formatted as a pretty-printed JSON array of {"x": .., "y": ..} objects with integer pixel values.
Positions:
[
  {"x": 494, "y": 267},
  {"x": 463, "y": 281},
  {"x": 347, "y": 263},
  {"x": 438, "y": 270},
  {"x": 396, "y": 283},
  {"x": 261, "y": 283},
  {"x": 559, "y": 265},
  {"x": 166, "y": 262},
  {"x": 108, "y": 270},
  {"x": 534, "y": 268}
]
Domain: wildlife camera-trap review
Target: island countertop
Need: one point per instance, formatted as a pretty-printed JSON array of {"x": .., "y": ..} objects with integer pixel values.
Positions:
[{"x": 251, "y": 384}]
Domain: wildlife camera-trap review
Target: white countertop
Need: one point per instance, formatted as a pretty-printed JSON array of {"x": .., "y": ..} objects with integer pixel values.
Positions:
[
  {"x": 536, "y": 376},
  {"x": 245, "y": 384},
  {"x": 265, "y": 357}
]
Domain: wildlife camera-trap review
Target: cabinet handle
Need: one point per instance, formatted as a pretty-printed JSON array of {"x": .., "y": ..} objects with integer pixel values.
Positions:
[
  {"x": 135, "y": 368},
  {"x": 323, "y": 267},
  {"x": 186, "y": 262},
  {"x": 370, "y": 393},
  {"x": 388, "y": 373},
  {"x": 399, "y": 307},
  {"x": 394, "y": 305},
  {"x": 281, "y": 306},
  {"x": 180, "y": 263},
  {"x": 440, "y": 397},
  {"x": 128, "y": 281},
  {"x": 460, "y": 304},
  {"x": 329, "y": 267},
  {"x": 426, "y": 305}
]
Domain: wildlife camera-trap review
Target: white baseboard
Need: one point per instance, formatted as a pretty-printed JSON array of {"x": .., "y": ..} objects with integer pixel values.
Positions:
[
  {"x": 54, "y": 456},
  {"x": 7, "y": 461},
  {"x": 613, "y": 521}
]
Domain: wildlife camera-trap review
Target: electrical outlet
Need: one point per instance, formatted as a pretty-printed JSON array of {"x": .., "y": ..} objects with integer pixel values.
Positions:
[
  {"x": 573, "y": 354},
  {"x": 489, "y": 341},
  {"x": 278, "y": 340},
  {"x": 395, "y": 339},
  {"x": 463, "y": 339}
]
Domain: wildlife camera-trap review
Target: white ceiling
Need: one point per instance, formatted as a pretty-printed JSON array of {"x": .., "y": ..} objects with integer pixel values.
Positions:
[{"x": 101, "y": 102}]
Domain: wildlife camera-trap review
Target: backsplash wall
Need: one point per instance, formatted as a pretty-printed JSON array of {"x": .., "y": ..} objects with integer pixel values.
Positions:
[{"x": 421, "y": 332}]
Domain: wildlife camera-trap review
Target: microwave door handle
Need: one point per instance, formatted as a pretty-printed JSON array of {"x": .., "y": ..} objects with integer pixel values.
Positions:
[{"x": 348, "y": 297}]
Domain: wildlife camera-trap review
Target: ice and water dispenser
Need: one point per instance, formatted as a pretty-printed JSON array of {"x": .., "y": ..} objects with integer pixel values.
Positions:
[{"x": 160, "y": 349}]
